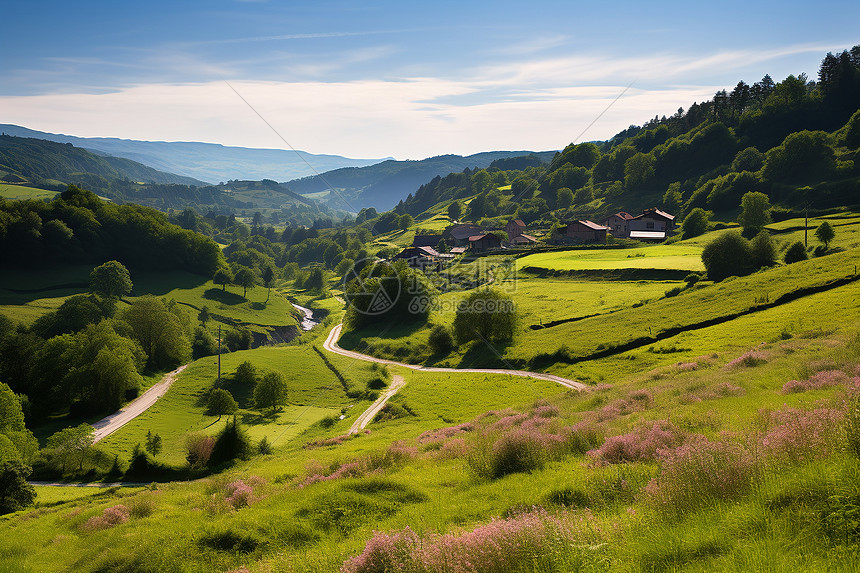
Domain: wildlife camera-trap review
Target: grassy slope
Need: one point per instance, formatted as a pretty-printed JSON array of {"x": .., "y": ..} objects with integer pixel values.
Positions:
[
  {"x": 15, "y": 192},
  {"x": 440, "y": 494},
  {"x": 681, "y": 257}
]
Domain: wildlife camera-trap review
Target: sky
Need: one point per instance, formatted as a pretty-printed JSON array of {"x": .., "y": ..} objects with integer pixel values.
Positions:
[{"x": 399, "y": 79}]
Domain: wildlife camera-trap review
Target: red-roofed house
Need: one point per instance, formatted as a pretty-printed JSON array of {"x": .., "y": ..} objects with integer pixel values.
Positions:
[
  {"x": 515, "y": 228},
  {"x": 618, "y": 224},
  {"x": 488, "y": 242},
  {"x": 585, "y": 232},
  {"x": 651, "y": 225}
]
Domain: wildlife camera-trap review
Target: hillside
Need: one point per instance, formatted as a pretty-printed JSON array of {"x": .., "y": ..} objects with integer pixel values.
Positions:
[
  {"x": 203, "y": 161},
  {"x": 38, "y": 160},
  {"x": 797, "y": 140},
  {"x": 385, "y": 184}
]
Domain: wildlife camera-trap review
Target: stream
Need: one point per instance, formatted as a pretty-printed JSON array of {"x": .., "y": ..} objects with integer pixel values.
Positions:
[{"x": 308, "y": 321}]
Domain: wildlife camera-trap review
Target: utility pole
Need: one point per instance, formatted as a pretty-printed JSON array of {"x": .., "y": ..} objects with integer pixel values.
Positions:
[{"x": 219, "y": 355}]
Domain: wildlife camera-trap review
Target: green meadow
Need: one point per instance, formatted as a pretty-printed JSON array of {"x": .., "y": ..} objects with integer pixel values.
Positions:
[
  {"x": 20, "y": 192},
  {"x": 677, "y": 257}
]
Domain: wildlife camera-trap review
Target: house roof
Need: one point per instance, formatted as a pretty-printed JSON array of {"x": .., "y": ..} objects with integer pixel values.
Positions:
[
  {"x": 426, "y": 240},
  {"x": 523, "y": 239},
  {"x": 517, "y": 222},
  {"x": 475, "y": 238},
  {"x": 412, "y": 252},
  {"x": 591, "y": 225},
  {"x": 458, "y": 250},
  {"x": 647, "y": 235},
  {"x": 621, "y": 215},
  {"x": 461, "y": 232},
  {"x": 655, "y": 213}
]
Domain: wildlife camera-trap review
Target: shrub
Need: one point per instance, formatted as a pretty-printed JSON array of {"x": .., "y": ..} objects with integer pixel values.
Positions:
[
  {"x": 15, "y": 492},
  {"x": 727, "y": 255},
  {"x": 695, "y": 223},
  {"x": 763, "y": 250},
  {"x": 797, "y": 436},
  {"x": 640, "y": 445},
  {"x": 527, "y": 542},
  {"x": 441, "y": 342},
  {"x": 699, "y": 472},
  {"x": 817, "y": 381},
  {"x": 795, "y": 253},
  {"x": 376, "y": 383},
  {"x": 199, "y": 449},
  {"x": 749, "y": 359},
  {"x": 231, "y": 443},
  {"x": 110, "y": 517},
  {"x": 674, "y": 291},
  {"x": 485, "y": 314},
  {"x": 692, "y": 279}
]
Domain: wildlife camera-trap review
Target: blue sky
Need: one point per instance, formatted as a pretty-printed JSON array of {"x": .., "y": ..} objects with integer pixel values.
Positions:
[{"x": 402, "y": 79}]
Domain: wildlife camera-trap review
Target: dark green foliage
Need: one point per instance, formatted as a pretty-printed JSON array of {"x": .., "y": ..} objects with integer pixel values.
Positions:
[
  {"x": 852, "y": 131},
  {"x": 245, "y": 278},
  {"x": 246, "y": 374},
  {"x": 692, "y": 279},
  {"x": 755, "y": 213},
  {"x": 674, "y": 291},
  {"x": 749, "y": 159},
  {"x": 487, "y": 315},
  {"x": 203, "y": 343},
  {"x": 15, "y": 493},
  {"x": 138, "y": 236},
  {"x": 315, "y": 281},
  {"x": 140, "y": 465},
  {"x": 229, "y": 540},
  {"x": 223, "y": 276},
  {"x": 795, "y": 253},
  {"x": 727, "y": 255},
  {"x": 221, "y": 403},
  {"x": 763, "y": 250},
  {"x": 695, "y": 223},
  {"x": 265, "y": 447},
  {"x": 387, "y": 292},
  {"x": 441, "y": 342},
  {"x": 232, "y": 443},
  {"x": 271, "y": 391},
  {"x": 238, "y": 339},
  {"x": 75, "y": 314},
  {"x": 376, "y": 383},
  {"x": 802, "y": 155},
  {"x": 455, "y": 210},
  {"x": 825, "y": 233},
  {"x": 110, "y": 279},
  {"x": 153, "y": 443},
  {"x": 161, "y": 329}
]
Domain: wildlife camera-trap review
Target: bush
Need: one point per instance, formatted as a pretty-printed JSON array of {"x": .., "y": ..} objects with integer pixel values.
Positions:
[
  {"x": 727, "y": 255},
  {"x": 695, "y": 223},
  {"x": 199, "y": 449},
  {"x": 221, "y": 403},
  {"x": 485, "y": 314},
  {"x": 15, "y": 493},
  {"x": 692, "y": 279},
  {"x": 795, "y": 253},
  {"x": 231, "y": 443},
  {"x": 440, "y": 340},
  {"x": 376, "y": 383},
  {"x": 246, "y": 374},
  {"x": 763, "y": 250}
]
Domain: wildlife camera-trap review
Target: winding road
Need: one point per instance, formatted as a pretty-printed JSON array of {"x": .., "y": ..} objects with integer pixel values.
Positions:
[
  {"x": 117, "y": 420},
  {"x": 364, "y": 419},
  {"x": 331, "y": 345}
]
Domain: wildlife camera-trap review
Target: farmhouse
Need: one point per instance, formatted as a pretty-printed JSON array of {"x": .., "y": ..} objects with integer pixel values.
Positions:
[
  {"x": 651, "y": 225},
  {"x": 422, "y": 257},
  {"x": 458, "y": 235},
  {"x": 515, "y": 228},
  {"x": 486, "y": 242},
  {"x": 618, "y": 224},
  {"x": 584, "y": 232}
]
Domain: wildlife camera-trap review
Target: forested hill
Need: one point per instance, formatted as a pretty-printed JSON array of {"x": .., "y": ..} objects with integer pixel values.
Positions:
[
  {"x": 796, "y": 140},
  {"x": 38, "y": 160},
  {"x": 382, "y": 185},
  {"x": 78, "y": 227}
]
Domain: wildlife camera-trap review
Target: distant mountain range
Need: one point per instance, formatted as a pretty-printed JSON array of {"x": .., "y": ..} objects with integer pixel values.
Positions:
[
  {"x": 206, "y": 162},
  {"x": 384, "y": 184}
]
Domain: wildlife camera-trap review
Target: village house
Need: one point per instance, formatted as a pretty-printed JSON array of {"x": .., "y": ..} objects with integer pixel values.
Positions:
[
  {"x": 583, "y": 232},
  {"x": 423, "y": 257},
  {"x": 458, "y": 235},
  {"x": 651, "y": 225},
  {"x": 618, "y": 224},
  {"x": 485, "y": 242},
  {"x": 516, "y": 235}
]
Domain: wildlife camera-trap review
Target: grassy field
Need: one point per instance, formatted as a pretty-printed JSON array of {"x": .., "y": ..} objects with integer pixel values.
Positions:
[
  {"x": 304, "y": 516},
  {"x": 14, "y": 192},
  {"x": 677, "y": 256}
]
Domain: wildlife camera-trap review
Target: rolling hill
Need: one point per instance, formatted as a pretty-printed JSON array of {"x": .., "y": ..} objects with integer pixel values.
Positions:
[{"x": 203, "y": 161}]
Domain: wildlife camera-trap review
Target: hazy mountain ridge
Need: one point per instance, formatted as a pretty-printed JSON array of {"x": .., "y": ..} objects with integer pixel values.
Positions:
[
  {"x": 384, "y": 184},
  {"x": 206, "y": 162}
]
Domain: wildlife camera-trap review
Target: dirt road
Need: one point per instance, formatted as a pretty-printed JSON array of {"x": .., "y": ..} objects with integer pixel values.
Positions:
[
  {"x": 117, "y": 420},
  {"x": 331, "y": 345},
  {"x": 364, "y": 419}
]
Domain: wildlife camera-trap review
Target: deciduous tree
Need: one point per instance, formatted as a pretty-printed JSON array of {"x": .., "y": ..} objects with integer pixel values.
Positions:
[
  {"x": 271, "y": 391},
  {"x": 110, "y": 279}
]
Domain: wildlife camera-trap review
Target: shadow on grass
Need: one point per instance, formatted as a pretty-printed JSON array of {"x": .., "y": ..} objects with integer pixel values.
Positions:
[
  {"x": 161, "y": 283},
  {"x": 260, "y": 418},
  {"x": 482, "y": 354},
  {"x": 224, "y": 296}
]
